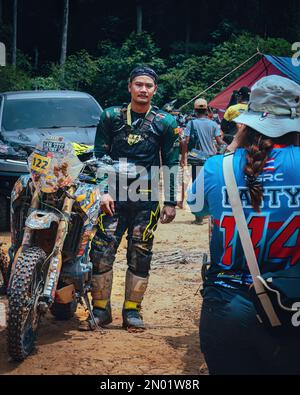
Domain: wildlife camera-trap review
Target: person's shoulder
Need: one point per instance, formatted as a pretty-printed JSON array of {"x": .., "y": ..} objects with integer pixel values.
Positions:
[
  {"x": 295, "y": 153},
  {"x": 214, "y": 160},
  {"x": 291, "y": 150},
  {"x": 165, "y": 118},
  {"x": 233, "y": 111},
  {"x": 213, "y": 123},
  {"x": 112, "y": 112},
  {"x": 217, "y": 160},
  {"x": 163, "y": 115},
  {"x": 212, "y": 168},
  {"x": 206, "y": 122}
]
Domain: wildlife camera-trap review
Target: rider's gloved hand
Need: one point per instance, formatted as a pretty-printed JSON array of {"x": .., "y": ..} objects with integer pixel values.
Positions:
[{"x": 107, "y": 204}]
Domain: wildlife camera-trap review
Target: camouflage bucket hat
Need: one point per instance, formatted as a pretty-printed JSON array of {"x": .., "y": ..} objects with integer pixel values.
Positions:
[{"x": 274, "y": 107}]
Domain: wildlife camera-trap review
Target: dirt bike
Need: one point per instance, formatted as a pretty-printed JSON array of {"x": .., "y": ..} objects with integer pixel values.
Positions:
[{"x": 54, "y": 212}]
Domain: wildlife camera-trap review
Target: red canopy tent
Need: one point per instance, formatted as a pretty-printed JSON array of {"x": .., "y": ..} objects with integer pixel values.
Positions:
[{"x": 260, "y": 69}]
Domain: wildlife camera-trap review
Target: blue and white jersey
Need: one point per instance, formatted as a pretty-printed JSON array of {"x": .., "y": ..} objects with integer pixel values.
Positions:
[{"x": 275, "y": 230}]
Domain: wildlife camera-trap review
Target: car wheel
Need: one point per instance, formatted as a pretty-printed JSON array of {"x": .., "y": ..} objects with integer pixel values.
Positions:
[{"x": 4, "y": 214}]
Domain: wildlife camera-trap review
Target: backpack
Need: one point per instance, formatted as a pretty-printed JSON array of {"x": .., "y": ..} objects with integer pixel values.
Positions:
[{"x": 193, "y": 141}]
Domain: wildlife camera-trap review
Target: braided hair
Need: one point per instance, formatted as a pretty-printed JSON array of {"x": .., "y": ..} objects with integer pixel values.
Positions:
[{"x": 258, "y": 147}]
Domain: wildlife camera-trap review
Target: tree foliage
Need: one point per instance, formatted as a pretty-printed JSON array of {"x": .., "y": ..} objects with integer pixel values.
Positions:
[
  {"x": 13, "y": 79},
  {"x": 105, "y": 74},
  {"x": 185, "y": 80},
  {"x": 78, "y": 72},
  {"x": 115, "y": 64}
]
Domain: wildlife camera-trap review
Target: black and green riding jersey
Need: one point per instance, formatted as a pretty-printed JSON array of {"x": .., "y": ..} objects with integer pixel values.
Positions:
[{"x": 140, "y": 142}]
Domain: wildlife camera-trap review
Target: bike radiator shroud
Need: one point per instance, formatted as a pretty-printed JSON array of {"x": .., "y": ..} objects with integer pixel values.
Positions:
[{"x": 76, "y": 267}]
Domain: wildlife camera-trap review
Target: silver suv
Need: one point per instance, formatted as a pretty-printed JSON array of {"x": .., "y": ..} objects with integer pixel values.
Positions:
[{"x": 27, "y": 116}]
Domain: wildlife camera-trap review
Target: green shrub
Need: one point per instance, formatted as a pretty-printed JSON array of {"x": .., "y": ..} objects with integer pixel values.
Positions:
[{"x": 12, "y": 79}]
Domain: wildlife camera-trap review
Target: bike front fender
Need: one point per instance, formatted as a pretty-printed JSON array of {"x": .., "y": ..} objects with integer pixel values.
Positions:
[{"x": 39, "y": 219}]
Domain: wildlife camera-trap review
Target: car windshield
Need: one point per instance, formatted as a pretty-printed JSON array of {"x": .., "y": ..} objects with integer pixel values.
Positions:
[{"x": 49, "y": 113}]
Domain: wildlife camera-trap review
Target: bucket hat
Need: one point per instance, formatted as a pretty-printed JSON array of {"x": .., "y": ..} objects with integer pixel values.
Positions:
[{"x": 274, "y": 107}]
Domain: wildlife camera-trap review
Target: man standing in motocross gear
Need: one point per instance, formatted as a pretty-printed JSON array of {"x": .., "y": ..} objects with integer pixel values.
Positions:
[{"x": 144, "y": 136}]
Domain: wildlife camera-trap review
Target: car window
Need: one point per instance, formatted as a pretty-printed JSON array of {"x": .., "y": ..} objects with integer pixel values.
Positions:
[{"x": 49, "y": 112}]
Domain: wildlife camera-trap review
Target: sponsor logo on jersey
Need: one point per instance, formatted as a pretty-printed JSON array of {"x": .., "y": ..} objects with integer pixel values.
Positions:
[{"x": 134, "y": 139}]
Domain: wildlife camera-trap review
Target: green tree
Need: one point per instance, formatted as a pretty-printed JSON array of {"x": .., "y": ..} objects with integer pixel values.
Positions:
[
  {"x": 183, "y": 81},
  {"x": 14, "y": 41},
  {"x": 13, "y": 79},
  {"x": 64, "y": 39},
  {"x": 41, "y": 83},
  {"x": 230, "y": 54},
  {"x": 189, "y": 77},
  {"x": 115, "y": 64},
  {"x": 78, "y": 72}
]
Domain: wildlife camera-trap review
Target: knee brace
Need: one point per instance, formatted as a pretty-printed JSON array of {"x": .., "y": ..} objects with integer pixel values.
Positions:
[
  {"x": 102, "y": 255},
  {"x": 139, "y": 255}
]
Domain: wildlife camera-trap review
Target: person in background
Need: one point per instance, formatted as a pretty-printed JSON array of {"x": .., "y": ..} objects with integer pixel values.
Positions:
[
  {"x": 202, "y": 133},
  {"x": 265, "y": 164},
  {"x": 228, "y": 125}
]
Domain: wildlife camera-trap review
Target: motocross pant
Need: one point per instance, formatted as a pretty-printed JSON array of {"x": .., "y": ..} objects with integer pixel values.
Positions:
[{"x": 140, "y": 220}]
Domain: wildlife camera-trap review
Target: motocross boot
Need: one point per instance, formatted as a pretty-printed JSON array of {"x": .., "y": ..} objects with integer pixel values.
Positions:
[
  {"x": 135, "y": 288},
  {"x": 101, "y": 291}
]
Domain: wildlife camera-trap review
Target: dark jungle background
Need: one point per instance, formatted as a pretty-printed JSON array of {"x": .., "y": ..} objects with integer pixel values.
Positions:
[{"x": 91, "y": 45}]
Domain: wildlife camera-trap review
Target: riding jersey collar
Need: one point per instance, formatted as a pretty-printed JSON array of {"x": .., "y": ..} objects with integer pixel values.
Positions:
[
  {"x": 279, "y": 146},
  {"x": 129, "y": 118}
]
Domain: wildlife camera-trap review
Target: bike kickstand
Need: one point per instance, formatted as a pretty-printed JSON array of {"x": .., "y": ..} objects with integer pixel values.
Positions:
[{"x": 89, "y": 307}]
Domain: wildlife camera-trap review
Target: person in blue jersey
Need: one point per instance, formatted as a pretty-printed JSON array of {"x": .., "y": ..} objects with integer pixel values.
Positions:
[{"x": 266, "y": 167}]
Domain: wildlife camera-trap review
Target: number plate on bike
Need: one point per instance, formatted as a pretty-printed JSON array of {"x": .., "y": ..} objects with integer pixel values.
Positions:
[
  {"x": 53, "y": 146},
  {"x": 40, "y": 163}
]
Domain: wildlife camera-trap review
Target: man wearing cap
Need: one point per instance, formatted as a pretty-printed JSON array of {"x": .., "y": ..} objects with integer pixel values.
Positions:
[
  {"x": 205, "y": 132},
  {"x": 139, "y": 133},
  {"x": 228, "y": 125}
]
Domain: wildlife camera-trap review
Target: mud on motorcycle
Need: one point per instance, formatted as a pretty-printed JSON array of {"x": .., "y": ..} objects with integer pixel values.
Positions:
[{"x": 54, "y": 212}]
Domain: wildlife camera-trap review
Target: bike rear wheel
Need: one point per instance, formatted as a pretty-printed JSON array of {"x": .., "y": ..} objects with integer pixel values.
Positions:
[{"x": 23, "y": 314}]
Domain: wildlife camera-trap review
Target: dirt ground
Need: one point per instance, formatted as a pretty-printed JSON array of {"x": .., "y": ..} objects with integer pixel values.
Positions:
[{"x": 171, "y": 308}]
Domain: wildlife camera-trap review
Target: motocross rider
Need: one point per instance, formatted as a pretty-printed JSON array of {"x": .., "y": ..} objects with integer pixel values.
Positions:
[{"x": 144, "y": 136}]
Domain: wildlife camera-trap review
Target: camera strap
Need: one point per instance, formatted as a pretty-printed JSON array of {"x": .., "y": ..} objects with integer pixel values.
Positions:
[{"x": 241, "y": 224}]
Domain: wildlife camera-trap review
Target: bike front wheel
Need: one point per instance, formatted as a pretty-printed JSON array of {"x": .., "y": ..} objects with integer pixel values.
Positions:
[{"x": 23, "y": 295}]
